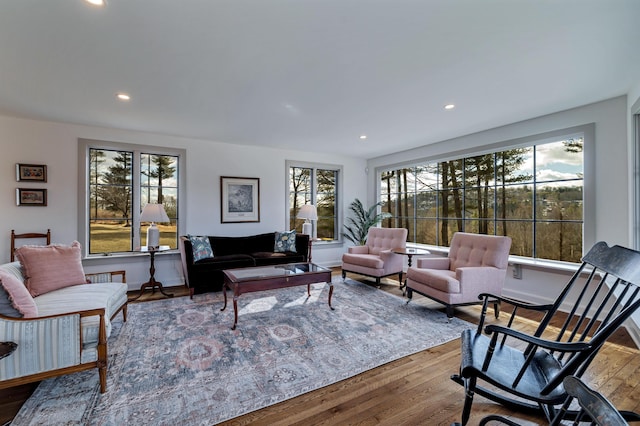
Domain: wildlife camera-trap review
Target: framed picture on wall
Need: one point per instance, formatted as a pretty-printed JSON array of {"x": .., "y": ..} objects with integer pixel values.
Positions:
[
  {"x": 240, "y": 199},
  {"x": 31, "y": 172},
  {"x": 31, "y": 197}
]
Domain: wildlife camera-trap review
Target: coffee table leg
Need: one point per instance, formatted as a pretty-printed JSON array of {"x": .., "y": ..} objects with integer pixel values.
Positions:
[
  {"x": 224, "y": 292},
  {"x": 308, "y": 290},
  {"x": 331, "y": 294},
  {"x": 235, "y": 311}
]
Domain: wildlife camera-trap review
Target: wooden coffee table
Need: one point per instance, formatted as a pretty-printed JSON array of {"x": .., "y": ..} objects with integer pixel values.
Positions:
[{"x": 247, "y": 280}]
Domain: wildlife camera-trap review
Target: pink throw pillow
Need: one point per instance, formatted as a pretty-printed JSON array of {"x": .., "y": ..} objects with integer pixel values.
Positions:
[
  {"x": 49, "y": 268},
  {"x": 18, "y": 294}
]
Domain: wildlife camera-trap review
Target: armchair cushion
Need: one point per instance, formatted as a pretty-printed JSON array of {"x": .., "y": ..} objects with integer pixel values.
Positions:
[
  {"x": 441, "y": 280},
  {"x": 48, "y": 268},
  {"x": 366, "y": 260}
]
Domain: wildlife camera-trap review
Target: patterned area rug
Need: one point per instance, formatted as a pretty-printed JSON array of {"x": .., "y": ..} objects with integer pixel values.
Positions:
[{"x": 177, "y": 361}]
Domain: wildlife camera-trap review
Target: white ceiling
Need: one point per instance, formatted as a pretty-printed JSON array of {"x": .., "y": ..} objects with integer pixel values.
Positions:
[{"x": 314, "y": 74}]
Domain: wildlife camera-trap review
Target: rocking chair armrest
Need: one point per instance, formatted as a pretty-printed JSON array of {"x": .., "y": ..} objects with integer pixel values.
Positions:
[
  {"x": 515, "y": 302},
  {"x": 543, "y": 343}
]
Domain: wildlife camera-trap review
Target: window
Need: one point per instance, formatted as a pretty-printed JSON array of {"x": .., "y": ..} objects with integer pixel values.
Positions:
[
  {"x": 119, "y": 180},
  {"x": 534, "y": 194},
  {"x": 317, "y": 185}
]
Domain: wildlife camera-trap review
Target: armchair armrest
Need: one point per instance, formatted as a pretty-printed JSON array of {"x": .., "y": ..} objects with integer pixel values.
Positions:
[
  {"x": 387, "y": 254},
  {"x": 433, "y": 263},
  {"x": 537, "y": 341},
  {"x": 359, "y": 250},
  {"x": 487, "y": 278},
  {"x": 515, "y": 302}
]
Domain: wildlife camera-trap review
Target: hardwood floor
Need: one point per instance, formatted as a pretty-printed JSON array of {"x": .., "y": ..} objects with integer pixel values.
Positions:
[{"x": 415, "y": 390}]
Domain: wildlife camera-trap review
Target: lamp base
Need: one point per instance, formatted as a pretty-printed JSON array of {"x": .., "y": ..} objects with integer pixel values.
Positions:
[
  {"x": 307, "y": 229},
  {"x": 153, "y": 236}
]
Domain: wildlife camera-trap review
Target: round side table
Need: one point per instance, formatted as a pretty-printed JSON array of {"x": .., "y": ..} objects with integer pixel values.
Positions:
[{"x": 409, "y": 252}]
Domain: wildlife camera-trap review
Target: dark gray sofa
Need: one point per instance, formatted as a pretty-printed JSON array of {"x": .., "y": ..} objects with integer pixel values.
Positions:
[{"x": 235, "y": 252}]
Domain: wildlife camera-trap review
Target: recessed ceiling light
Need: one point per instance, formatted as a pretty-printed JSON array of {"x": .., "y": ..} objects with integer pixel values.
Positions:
[
  {"x": 97, "y": 2},
  {"x": 449, "y": 106},
  {"x": 123, "y": 96},
  {"x": 363, "y": 136}
]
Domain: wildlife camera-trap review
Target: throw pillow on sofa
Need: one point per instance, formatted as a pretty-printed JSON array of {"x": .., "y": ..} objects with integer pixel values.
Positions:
[
  {"x": 49, "y": 268},
  {"x": 285, "y": 241},
  {"x": 20, "y": 302},
  {"x": 201, "y": 247}
]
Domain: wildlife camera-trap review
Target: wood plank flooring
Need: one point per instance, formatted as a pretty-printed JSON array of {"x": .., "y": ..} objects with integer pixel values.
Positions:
[{"x": 415, "y": 390}]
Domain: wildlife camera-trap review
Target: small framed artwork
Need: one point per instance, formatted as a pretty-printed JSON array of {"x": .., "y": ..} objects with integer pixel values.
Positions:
[
  {"x": 31, "y": 197},
  {"x": 31, "y": 172},
  {"x": 240, "y": 199}
]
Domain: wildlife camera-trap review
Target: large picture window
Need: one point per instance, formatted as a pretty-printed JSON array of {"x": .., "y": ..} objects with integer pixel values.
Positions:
[
  {"x": 533, "y": 194},
  {"x": 317, "y": 185},
  {"x": 119, "y": 181}
]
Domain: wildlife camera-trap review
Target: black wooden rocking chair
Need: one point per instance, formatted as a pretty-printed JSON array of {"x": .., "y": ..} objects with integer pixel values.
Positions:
[{"x": 527, "y": 371}]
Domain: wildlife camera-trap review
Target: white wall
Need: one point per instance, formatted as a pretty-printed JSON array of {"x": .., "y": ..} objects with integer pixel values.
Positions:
[{"x": 56, "y": 145}]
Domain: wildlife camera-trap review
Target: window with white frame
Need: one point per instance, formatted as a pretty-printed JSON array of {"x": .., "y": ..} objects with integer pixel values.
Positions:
[
  {"x": 316, "y": 184},
  {"x": 534, "y": 194},
  {"x": 118, "y": 180}
]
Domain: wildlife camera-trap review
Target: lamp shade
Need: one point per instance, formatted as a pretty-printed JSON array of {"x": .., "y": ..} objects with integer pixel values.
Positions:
[
  {"x": 154, "y": 213},
  {"x": 308, "y": 212}
]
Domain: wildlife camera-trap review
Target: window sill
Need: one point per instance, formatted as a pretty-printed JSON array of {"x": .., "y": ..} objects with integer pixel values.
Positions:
[
  {"x": 541, "y": 264},
  {"x": 125, "y": 255}
]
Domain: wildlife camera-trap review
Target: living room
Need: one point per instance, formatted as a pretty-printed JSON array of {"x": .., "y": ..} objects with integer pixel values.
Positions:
[{"x": 41, "y": 135}]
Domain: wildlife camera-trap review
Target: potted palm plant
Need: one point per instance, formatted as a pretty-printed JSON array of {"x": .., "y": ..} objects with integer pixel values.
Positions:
[{"x": 358, "y": 224}]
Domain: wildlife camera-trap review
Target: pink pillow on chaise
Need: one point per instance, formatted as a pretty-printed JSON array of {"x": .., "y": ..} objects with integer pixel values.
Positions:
[
  {"x": 18, "y": 294},
  {"x": 49, "y": 268}
]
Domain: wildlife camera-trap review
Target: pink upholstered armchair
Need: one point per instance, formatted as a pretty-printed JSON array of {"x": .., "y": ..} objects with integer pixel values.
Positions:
[
  {"x": 476, "y": 264},
  {"x": 375, "y": 258}
]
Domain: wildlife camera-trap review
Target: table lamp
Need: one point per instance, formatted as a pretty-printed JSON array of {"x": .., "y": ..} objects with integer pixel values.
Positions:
[
  {"x": 307, "y": 212},
  {"x": 153, "y": 213}
]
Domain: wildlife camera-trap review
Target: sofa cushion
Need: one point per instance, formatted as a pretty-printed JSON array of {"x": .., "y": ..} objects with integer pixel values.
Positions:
[
  {"x": 49, "y": 268},
  {"x": 201, "y": 247},
  {"x": 267, "y": 254},
  {"x": 285, "y": 241},
  {"x": 19, "y": 302},
  {"x": 110, "y": 296}
]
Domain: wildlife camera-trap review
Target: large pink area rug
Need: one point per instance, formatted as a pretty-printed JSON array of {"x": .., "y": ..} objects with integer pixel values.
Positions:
[{"x": 177, "y": 361}]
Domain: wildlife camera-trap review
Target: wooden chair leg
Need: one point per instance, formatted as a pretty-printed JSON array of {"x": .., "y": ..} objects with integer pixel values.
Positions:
[
  {"x": 449, "y": 312},
  {"x": 496, "y": 309},
  {"x": 469, "y": 389}
]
